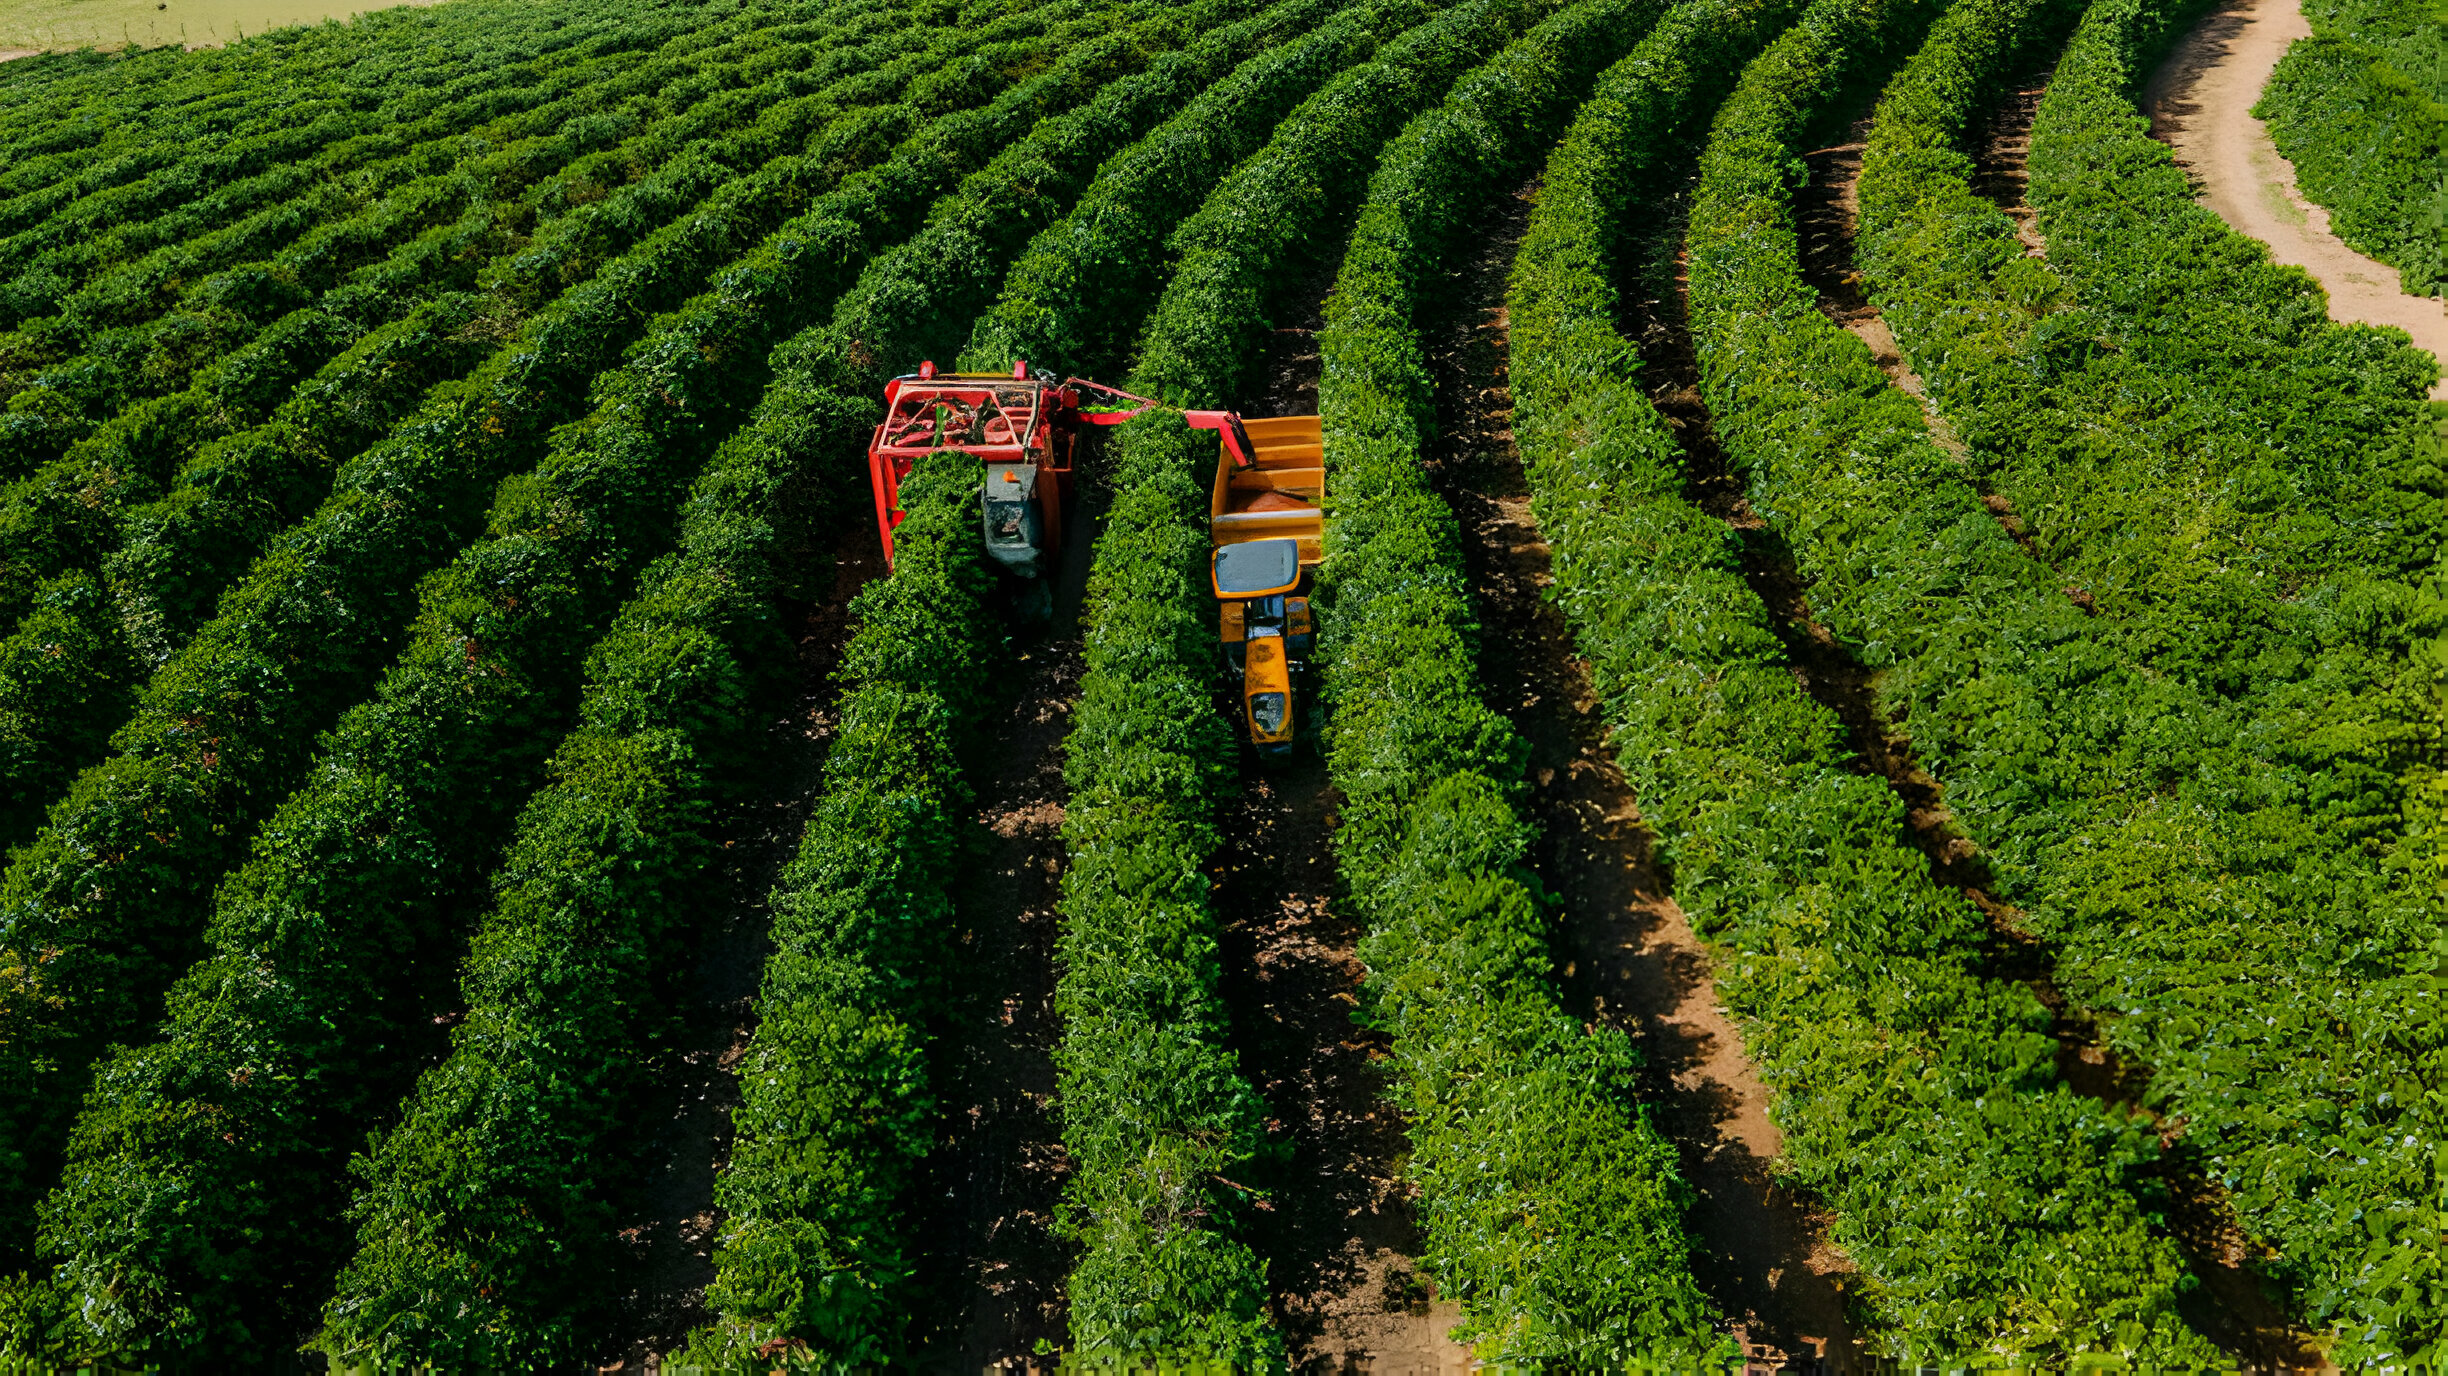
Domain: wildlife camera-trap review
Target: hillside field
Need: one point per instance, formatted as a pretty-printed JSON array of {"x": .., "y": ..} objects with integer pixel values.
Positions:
[{"x": 1859, "y": 776}]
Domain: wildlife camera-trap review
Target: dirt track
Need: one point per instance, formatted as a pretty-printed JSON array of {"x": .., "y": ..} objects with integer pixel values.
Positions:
[
  {"x": 1629, "y": 956},
  {"x": 994, "y": 1266},
  {"x": 2200, "y": 102},
  {"x": 668, "y": 1230},
  {"x": 1343, "y": 1240}
]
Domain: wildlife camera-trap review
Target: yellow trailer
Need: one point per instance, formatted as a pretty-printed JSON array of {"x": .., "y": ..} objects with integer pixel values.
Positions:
[{"x": 1267, "y": 522}]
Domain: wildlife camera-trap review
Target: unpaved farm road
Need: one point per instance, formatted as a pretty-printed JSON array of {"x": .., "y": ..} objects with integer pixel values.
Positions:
[{"x": 2200, "y": 103}]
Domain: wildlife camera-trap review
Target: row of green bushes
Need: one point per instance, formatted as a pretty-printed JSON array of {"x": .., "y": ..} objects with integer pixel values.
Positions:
[
  {"x": 1075, "y": 300},
  {"x": 534, "y": 1093},
  {"x": 2208, "y": 787},
  {"x": 410, "y": 799},
  {"x": 1553, "y": 1209},
  {"x": 794, "y": 1253},
  {"x": 2361, "y": 109},
  {"x": 112, "y": 889},
  {"x": 1158, "y": 1121},
  {"x": 2407, "y": 33},
  {"x": 139, "y": 329},
  {"x": 66, "y": 679},
  {"x": 839, "y": 1109},
  {"x": 106, "y": 118},
  {"x": 131, "y": 116},
  {"x": 181, "y": 549},
  {"x": 363, "y": 260},
  {"x": 283, "y": 148},
  {"x": 1990, "y": 1209}
]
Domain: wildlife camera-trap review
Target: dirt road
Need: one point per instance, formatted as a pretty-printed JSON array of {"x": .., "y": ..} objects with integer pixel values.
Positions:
[{"x": 2200, "y": 102}]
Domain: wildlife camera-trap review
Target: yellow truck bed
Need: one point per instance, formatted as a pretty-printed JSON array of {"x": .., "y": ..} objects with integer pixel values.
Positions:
[{"x": 1282, "y": 494}]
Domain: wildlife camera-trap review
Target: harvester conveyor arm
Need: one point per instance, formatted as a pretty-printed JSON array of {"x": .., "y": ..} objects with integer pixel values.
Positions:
[{"x": 1225, "y": 423}]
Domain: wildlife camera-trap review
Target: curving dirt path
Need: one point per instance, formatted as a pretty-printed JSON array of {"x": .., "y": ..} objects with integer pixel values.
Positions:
[
  {"x": 1627, "y": 953},
  {"x": 2200, "y": 103},
  {"x": 1825, "y": 211}
]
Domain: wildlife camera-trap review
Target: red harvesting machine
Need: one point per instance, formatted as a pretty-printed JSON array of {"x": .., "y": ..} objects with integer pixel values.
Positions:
[
  {"x": 1023, "y": 428},
  {"x": 1266, "y": 519}
]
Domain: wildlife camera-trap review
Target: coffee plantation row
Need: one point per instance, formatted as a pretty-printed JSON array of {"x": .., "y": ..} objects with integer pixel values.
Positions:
[{"x": 420, "y": 430}]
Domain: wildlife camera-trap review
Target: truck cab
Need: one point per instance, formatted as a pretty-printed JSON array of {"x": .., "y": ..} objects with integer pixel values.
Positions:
[{"x": 1266, "y": 519}]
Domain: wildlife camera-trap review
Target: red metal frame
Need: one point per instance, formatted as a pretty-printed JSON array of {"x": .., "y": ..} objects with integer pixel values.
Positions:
[
  {"x": 1227, "y": 425},
  {"x": 1015, "y": 419}
]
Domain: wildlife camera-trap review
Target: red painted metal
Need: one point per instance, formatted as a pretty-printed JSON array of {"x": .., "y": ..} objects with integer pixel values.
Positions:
[
  {"x": 1228, "y": 426},
  {"x": 1014, "y": 419},
  {"x": 1020, "y": 418}
]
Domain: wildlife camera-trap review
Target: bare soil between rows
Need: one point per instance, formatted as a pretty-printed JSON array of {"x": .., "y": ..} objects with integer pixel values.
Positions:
[
  {"x": 1628, "y": 955},
  {"x": 994, "y": 1260},
  {"x": 1343, "y": 1237}
]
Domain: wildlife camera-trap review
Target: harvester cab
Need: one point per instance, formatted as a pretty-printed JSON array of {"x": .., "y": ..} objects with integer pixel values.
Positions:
[{"x": 1266, "y": 519}]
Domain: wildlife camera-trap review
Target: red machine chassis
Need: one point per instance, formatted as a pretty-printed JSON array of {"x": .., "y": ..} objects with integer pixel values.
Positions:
[{"x": 1015, "y": 419}]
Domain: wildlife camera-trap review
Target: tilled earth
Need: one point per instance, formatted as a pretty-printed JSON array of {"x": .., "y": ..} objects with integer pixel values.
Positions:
[{"x": 1342, "y": 1239}]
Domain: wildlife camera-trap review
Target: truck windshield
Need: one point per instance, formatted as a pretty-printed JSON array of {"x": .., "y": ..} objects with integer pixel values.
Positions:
[{"x": 1257, "y": 566}]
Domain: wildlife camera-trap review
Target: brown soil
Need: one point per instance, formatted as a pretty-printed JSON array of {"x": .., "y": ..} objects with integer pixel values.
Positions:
[
  {"x": 670, "y": 1230},
  {"x": 994, "y": 1255},
  {"x": 1630, "y": 957},
  {"x": 2000, "y": 171},
  {"x": 1825, "y": 212},
  {"x": 996, "y": 1264},
  {"x": 1342, "y": 1240},
  {"x": 2230, "y": 1307},
  {"x": 2200, "y": 103}
]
